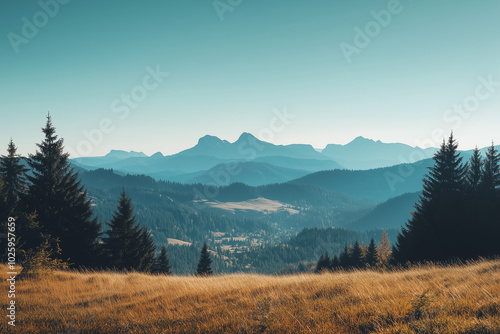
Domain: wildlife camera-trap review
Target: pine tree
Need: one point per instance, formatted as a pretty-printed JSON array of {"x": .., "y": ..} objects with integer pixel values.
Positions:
[
  {"x": 61, "y": 202},
  {"x": 204, "y": 268},
  {"x": 323, "y": 264},
  {"x": 475, "y": 173},
  {"x": 438, "y": 229},
  {"x": 147, "y": 251},
  {"x": 447, "y": 174},
  {"x": 357, "y": 255},
  {"x": 162, "y": 264},
  {"x": 335, "y": 263},
  {"x": 487, "y": 214},
  {"x": 491, "y": 170},
  {"x": 14, "y": 176},
  {"x": 345, "y": 258},
  {"x": 127, "y": 246},
  {"x": 371, "y": 254}
]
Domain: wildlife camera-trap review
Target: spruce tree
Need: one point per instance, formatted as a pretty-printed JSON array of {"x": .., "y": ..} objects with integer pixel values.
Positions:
[
  {"x": 323, "y": 264},
  {"x": 14, "y": 176},
  {"x": 345, "y": 258},
  {"x": 448, "y": 173},
  {"x": 127, "y": 246},
  {"x": 60, "y": 201},
  {"x": 491, "y": 170},
  {"x": 371, "y": 254},
  {"x": 474, "y": 172},
  {"x": 147, "y": 251},
  {"x": 438, "y": 229},
  {"x": 487, "y": 214},
  {"x": 335, "y": 263},
  {"x": 162, "y": 264},
  {"x": 357, "y": 255},
  {"x": 204, "y": 268}
]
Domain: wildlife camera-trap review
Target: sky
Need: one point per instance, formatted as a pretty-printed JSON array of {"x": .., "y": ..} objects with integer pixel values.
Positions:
[{"x": 157, "y": 75}]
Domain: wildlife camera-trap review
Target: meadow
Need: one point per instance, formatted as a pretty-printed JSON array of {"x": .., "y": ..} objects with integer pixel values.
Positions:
[{"x": 460, "y": 298}]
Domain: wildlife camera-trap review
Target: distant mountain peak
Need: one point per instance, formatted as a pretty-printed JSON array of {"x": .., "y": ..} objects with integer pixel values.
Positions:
[
  {"x": 124, "y": 154},
  {"x": 361, "y": 139},
  {"x": 157, "y": 155},
  {"x": 210, "y": 140},
  {"x": 245, "y": 136}
]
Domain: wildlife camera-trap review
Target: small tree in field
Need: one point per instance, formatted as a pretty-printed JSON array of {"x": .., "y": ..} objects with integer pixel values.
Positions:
[
  {"x": 204, "y": 268},
  {"x": 371, "y": 254},
  {"x": 384, "y": 250},
  {"x": 162, "y": 264}
]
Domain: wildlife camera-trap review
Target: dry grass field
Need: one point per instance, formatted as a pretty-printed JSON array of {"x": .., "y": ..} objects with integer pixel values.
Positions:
[{"x": 426, "y": 299}]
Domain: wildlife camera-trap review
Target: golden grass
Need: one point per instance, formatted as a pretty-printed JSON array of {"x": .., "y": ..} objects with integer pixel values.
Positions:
[{"x": 425, "y": 299}]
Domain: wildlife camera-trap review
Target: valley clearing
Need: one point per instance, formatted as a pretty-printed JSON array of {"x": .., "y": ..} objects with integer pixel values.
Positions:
[{"x": 425, "y": 299}]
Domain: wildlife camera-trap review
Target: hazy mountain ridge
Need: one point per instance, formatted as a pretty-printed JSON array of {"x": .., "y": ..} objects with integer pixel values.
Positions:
[{"x": 287, "y": 162}]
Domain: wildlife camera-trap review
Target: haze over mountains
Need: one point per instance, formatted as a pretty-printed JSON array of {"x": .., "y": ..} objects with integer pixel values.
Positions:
[{"x": 254, "y": 162}]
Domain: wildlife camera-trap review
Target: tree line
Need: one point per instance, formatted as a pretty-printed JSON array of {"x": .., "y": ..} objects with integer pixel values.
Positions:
[
  {"x": 357, "y": 256},
  {"x": 55, "y": 224},
  {"x": 456, "y": 218}
]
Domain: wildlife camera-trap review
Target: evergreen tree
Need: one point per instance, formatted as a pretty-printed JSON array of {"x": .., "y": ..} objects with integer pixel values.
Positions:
[
  {"x": 335, "y": 263},
  {"x": 323, "y": 263},
  {"x": 204, "y": 268},
  {"x": 491, "y": 170},
  {"x": 448, "y": 173},
  {"x": 357, "y": 256},
  {"x": 345, "y": 258},
  {"x": 147, "y": 250},
  {"x": 60, "y": 201},
  {"x": 127, "y": 246},
  {"x": 474, "y": 173},
  {"x": 162, "y": 264},
  {"x": 486, "y": 216},
  {"x": 371, "y": 254},
  {"x": 14, "y": 176},
  {"x": 440, "y": 227}
]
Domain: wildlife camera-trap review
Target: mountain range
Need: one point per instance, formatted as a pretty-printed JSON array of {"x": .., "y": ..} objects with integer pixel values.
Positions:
[{"x": 253, "y": 161}]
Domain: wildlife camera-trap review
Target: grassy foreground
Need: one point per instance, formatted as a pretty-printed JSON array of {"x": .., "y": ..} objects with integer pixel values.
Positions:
[{"x": 426, "y": 299}]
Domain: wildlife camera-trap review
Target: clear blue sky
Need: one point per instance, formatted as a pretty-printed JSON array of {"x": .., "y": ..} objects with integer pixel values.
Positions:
[{"x": 227, "y": 76}]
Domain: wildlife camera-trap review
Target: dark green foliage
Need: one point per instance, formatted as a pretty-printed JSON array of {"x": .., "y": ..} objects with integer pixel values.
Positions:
[
  {"x": 204, "y": 268},
  {"x": 162, "y": 263},
  {"x": 345, "y": 257},
  {"x": 60, "y": 201},
  {"x": 127, "y": 246},
  {"x": 371, "y": 254},
  {"x": 447, "y": 175},
  {"x": 457, "y": 217},
  {"x": 324, "y": 264},
  {"x": 335, "y": 263},
  {"x": 357, "y": 256},
  {"x": 14, "y": 176},
  {"x": 475, "y": 174},
  {"x": 147, "y": 250},
  {"x": 491, "y": 171}
]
